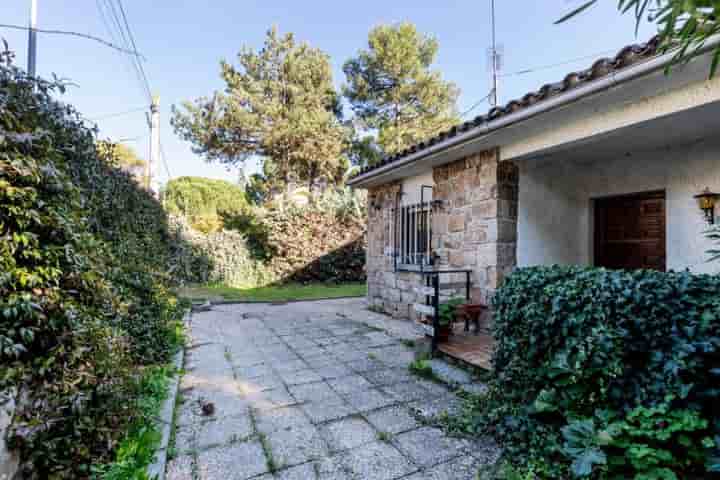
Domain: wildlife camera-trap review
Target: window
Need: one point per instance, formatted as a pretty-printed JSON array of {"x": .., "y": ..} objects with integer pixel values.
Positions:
[{"x": 413, "y": 242}]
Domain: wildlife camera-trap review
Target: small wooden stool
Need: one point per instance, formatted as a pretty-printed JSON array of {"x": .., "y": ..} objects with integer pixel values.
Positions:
[{"x": 471, "y": 312}]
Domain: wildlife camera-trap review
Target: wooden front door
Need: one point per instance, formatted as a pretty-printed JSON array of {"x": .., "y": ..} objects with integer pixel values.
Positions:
[{"x": 630, "y": 232}]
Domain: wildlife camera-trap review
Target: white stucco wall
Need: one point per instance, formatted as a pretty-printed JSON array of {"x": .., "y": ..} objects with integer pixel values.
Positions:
[
  {"x": 411, "y": 188},
  {"x": 555, "y": 209}
]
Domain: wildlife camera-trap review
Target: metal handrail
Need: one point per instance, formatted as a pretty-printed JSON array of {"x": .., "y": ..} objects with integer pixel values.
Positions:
[{"x": 432, "y": 279}]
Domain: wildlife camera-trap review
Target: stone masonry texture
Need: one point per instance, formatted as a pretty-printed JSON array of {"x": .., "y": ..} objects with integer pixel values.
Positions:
[{"x": 474, "y": 228}]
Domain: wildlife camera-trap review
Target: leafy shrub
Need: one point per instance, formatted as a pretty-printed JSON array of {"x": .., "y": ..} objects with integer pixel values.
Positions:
[
  {"x": 321, "y": 242},
  {"x": 607, "y": 373},
  {"x": 203, "y": 201},
  {"x": 84, "y": 301},
  {"x": 447, "y": 310},
  {"x": 137, "y": 450},
  {"x": 224, "y": 257},
  {"x": 314, "y": 244}
]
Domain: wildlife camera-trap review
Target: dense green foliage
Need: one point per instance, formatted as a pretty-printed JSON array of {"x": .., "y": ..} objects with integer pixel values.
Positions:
[
  {"x": 394, "y": 91},
  {"x": 320, "y": 242},
  {"x": 686, "y": 24},
  {"x": 137, "y": 450},
  {"x": 84, "y": 303},
  {"x": 124, "y": 157},
  {"x": 606, "y": 374},
  {"x": 203, "y": 201},
  {"x": 714, "y": 235},
  {"x": 279, "y": 105}
]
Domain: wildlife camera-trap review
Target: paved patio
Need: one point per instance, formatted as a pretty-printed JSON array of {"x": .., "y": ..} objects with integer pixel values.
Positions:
[{"x": 312, "y": 390}]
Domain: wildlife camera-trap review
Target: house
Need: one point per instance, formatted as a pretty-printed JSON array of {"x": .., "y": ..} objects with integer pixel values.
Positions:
[{"x": 601, "y": 168}]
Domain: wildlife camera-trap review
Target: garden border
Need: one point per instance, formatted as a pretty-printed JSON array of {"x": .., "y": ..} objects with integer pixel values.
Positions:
[
  {"x": 242, "y": 302},
  {"x": 156, "y": 470}
]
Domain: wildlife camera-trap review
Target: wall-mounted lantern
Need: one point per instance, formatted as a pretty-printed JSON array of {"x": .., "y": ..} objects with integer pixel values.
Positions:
[{"x": 706, "y": 202}]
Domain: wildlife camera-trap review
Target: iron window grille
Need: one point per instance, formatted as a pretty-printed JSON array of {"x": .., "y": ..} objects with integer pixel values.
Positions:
[{"x": 413, "y": 238}]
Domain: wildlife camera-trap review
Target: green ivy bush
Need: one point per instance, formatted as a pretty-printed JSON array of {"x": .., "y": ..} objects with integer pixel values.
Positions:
[
  {"x": 85, "y": 267},
  {"x": 606, "y": 374}
]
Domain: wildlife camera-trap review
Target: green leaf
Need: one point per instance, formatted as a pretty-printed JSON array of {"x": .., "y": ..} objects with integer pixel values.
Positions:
[
  {"x": 576, "y": 12},
  {"x": 583, "y": 464}
]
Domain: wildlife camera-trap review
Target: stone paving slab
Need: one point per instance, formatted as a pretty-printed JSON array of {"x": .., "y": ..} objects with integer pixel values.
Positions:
[
  {"x": 240, "y": 461},
  {"x": 429, "y": 446},
  {"x": 315, "y": 392},
  {"x": 392, "y": 420},
  {"x": 293, "y": 446},
  {"x": 349, "y": 384},
  {"x": 369, "y": 399},
  {"x": 378, "y": 461},
  {"x": 320, "y": 412},
  {"x": 450, "y": 373},
  {"x": 223, "y": 431},
  {"x": 269, "y": 421},
  {"x": 311, "y": 391},
  {"x": 268, "y": 399},
  {"x": 301, "y": 472},
  {"x": 300, "y": 377},
  {"x": 463, "y": 468},
  {"x": 348, "y": 433}
]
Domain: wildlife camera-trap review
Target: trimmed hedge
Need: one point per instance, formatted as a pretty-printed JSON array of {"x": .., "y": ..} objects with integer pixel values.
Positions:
[
  {"x": 313, "y": 243},
  {"x": 607, "y": 374}
]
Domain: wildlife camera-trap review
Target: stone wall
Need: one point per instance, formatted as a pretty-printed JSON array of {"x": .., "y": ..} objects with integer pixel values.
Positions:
[
  {"x": 388, "y": 291},
  {"x": 475, "y": 228}
]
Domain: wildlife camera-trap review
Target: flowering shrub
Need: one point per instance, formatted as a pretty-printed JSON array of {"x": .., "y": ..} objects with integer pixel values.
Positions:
[{"x": 85, "y": 257}]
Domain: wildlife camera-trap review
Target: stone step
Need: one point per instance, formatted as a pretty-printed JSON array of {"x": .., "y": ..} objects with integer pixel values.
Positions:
[{"x": 424, "y": 309}]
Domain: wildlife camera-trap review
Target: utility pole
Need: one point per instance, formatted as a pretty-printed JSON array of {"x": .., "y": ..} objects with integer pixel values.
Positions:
[
  {"x": 32, "y": 39},
  {"x": 154, "y": 123}
]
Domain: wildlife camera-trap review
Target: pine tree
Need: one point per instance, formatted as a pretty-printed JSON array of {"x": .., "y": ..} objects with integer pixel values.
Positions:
[
  {"x": 393, "y": 90},
  {"x": 279, "y": 104}
]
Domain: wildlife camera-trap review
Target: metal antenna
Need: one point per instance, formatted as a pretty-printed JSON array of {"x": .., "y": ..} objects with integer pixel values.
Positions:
[
  {"x": 32, "y": 40},
  {"x": 494, "y": 60}
]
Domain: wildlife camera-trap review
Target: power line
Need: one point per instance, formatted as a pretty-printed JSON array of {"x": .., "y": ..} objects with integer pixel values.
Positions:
[
  {"x": 554, "y": 65},
  {"x": 117, "y": 25},
  {"x": 134, "y": 53},
  {"x": 164, "y": 160},
  {"x": 132, "y": 40},
  {"x": 105, "y": 21},
  {"x": 476, "y": 104},
  {"x": 118, "y": 114}
]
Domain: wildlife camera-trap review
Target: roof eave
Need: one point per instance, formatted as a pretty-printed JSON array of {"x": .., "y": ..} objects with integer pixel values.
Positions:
[{"x": 615, "y": 78}]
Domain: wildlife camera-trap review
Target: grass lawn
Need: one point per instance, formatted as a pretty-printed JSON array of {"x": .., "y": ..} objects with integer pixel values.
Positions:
[{"x": 275, "y": 293}]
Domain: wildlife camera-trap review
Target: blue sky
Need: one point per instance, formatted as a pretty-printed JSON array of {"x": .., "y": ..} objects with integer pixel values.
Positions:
[{"x": 183, "y": 42}]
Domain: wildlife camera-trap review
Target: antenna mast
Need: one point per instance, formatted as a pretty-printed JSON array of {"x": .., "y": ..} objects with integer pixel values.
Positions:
[{"x": 494, "y": 59}]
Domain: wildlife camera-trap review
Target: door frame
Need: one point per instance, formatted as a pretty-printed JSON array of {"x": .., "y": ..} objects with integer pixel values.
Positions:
[{"x": 597, "y": 228}]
